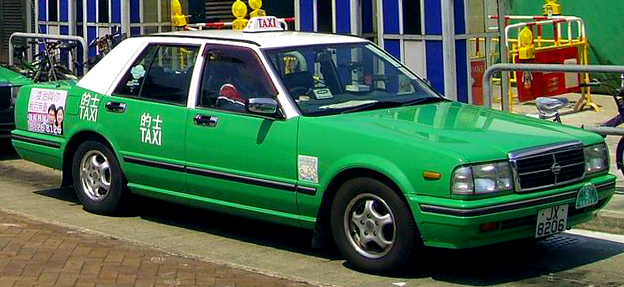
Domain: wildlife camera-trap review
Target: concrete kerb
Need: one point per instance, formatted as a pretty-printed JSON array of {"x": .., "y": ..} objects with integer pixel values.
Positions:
[{"x": 611, "y": 218}]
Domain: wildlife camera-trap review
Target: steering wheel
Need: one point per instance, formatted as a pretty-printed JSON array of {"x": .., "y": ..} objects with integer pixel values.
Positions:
[
  {"x": 378, "y": 78},
  {"x": 297, "y": 91}
]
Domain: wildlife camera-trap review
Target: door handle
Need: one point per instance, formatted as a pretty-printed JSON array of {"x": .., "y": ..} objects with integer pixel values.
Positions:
[
  {"x": 115, "y": 107},
  {"x": 203, "y": 120}
]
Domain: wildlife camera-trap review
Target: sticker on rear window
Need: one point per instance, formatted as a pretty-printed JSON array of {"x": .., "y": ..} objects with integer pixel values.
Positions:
[{"x": 46, "y": 111}]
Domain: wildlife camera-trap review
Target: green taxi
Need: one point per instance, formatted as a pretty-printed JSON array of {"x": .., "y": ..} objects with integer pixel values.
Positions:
[
  {"x": 324, "y": 132},
  {"x": 10, "y": 83}
]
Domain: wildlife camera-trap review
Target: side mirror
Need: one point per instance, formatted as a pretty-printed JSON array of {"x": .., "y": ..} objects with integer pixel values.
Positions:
[{"x": 262, "y": 106}]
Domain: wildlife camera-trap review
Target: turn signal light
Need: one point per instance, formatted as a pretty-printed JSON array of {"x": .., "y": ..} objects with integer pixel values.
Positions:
[{"x": 431, "y": 175}]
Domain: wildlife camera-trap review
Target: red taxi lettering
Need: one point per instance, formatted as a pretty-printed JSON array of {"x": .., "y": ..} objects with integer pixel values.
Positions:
[{"x": 268, "y": 23}]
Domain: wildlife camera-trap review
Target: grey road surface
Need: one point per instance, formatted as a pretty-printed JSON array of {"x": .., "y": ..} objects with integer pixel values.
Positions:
[{"x": 570, "y": 259}]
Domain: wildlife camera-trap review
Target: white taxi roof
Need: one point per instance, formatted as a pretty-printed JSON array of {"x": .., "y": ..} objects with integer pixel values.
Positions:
[
  {"x": 103, "y": 76},
  {"x": 269, "y": 39}
]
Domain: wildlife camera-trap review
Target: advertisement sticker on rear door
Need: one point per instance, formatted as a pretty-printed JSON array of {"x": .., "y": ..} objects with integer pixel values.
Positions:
[{"x": 46, "y": 111}]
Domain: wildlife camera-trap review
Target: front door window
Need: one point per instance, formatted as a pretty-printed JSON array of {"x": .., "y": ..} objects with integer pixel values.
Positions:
[{"x": 233, "y": 75}]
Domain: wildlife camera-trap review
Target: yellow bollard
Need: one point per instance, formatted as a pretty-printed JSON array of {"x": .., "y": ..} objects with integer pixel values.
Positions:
[
  {"x": 551, "y": 7},
  {"x": 527, "y": 48},
  {"x": 178, "y": 19},
  {"x": 239, "y": 10},
  {"x": 255, "y": 6}
]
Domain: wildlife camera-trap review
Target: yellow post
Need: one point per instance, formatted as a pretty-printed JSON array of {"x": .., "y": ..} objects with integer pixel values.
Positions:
[{"x": 585, "y": 78}]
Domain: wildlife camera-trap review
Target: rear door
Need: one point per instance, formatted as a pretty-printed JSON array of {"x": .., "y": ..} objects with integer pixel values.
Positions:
[{"x": 147, "y": 113}]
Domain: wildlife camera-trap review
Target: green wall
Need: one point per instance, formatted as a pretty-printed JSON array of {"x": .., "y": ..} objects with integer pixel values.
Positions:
[{"x": 604, "y": 24}]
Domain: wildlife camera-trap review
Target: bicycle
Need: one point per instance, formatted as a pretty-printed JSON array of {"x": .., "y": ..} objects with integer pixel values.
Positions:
[
  {"x": 46, "y": 65},
  {"x": 548, "y": 108},
  {"x": 104, "y": 45},
  {"x": 25, "y": 68}
]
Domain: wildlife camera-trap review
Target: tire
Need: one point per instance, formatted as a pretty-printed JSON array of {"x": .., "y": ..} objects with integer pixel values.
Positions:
[
  {"x": 391, "y": 244},
  {"x": 98, "y": 180}
]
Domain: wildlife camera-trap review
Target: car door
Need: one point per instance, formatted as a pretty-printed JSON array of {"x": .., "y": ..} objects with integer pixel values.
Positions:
[
  {"x": 235, "y": 158},
  {"x": 146, "y": 115}
]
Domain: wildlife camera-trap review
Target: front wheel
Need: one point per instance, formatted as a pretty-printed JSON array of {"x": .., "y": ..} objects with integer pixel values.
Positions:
[
  {"x": 372, "y": 226},
  {"x": 98, "y": 179}
]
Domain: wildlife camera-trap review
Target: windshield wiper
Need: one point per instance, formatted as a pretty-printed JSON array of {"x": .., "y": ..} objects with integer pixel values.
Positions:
[
  {"x": 426, "y": 100},
  {"x": 373, "y": 106}
]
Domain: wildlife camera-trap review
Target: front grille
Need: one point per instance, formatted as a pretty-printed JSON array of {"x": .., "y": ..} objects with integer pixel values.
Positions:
[
  {"x": 548, "y": 166},
  {"x": 5, "y": 97}
]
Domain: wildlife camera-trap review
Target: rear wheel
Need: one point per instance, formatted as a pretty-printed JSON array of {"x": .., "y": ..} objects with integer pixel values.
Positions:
[
  {"x": 98, "y": 179},
  {"x": 372, "y": 226}
]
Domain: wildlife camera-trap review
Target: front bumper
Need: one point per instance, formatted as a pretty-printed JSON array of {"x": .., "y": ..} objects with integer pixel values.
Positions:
[{"x": 452, "y": 223}]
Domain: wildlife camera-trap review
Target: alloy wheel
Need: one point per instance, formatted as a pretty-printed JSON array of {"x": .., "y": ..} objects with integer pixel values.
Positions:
[
  {"x": 370, "y": 225},
  {"x": 95, "y": 175}
]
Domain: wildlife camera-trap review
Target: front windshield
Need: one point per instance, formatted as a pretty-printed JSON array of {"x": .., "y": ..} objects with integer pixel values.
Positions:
[{"x": 340, "y": 78}]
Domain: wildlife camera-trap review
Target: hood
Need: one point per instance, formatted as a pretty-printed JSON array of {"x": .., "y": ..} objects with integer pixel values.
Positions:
[{"x": 478, "y": 134}]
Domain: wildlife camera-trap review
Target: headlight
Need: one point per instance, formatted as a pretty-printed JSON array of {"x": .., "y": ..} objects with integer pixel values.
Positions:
[
  {"x": 14, "y": 92},
  {"x": 482, "y": 178},
  {"x": 596, "y": 158}
]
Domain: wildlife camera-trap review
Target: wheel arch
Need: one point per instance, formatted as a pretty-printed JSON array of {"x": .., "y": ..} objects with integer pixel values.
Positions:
[
  {"x": 70, "y": 150},
  {"x": 323, "y": 219}
]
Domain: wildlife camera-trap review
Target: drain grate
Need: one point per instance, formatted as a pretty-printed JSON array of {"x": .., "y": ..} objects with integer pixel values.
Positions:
[{"x": 559, "y": 241}]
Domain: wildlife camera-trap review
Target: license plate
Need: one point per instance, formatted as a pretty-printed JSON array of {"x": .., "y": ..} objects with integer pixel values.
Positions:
[
  {"x": 551, "y": 220},
  {"x": 587, "y": 196}
]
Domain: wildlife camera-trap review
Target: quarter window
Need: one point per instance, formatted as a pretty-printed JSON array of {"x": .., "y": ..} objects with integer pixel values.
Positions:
[{"x": 162, "y": 73}]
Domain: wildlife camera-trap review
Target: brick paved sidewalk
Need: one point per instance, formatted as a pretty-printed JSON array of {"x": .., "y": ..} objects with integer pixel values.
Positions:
[{"x": 34, "y": 253}]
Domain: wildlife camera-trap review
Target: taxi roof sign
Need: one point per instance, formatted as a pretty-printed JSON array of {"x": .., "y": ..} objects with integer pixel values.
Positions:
[{"x": 265, "y": 24}]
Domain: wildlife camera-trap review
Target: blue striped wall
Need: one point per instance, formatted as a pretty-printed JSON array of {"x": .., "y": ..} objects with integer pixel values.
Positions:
[
  {"x": 343, "y": 23},
  {"x": 116, "y": 11},
  {"x": 64, "y": 17},
  {"x": 462, "y": 70},
  {"x": 435, "y": 65},
  {"x": 391, "y": 16},
  {"x": 306, "y": 15}
]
